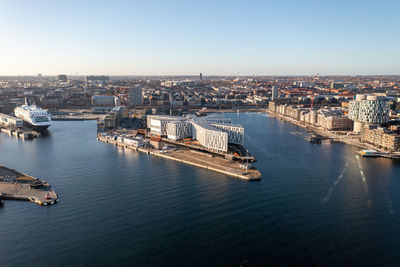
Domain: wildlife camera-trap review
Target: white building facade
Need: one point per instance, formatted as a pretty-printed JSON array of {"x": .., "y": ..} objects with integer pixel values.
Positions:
[
  {"x": 212, "y": 132},
  {"x": 210, "y": 137},
  {"x": 368, "y": 109},
  {"x": 178, "y": 130},
  {"x": 235, "y": 132},
  {"x": 105, "y": 100}
]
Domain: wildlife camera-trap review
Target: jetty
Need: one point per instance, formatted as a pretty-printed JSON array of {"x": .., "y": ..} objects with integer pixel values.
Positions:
[
  {"x": 195, "y": 158},
  {"x": 16, "y": 185}
]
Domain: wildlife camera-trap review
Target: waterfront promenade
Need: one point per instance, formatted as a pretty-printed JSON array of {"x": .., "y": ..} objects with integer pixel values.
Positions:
[
  {"x": 347, "y": 139},
  {"x": 196, "y": 158}
]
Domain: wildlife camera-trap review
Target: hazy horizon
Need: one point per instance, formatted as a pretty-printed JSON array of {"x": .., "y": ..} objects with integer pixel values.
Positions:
[{"x": 195, "y": 75}]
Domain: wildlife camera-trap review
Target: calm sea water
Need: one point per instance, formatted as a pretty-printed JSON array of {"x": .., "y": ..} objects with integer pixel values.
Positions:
[{"x": 316, "y": 204}]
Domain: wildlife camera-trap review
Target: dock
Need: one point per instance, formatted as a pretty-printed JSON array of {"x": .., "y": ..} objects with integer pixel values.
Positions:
[
  {"x": 376, "y": 154},
  {"x": 24, "y": 134},
  {"x": 196, "y": 158},
  {"x": 16, "y": 185}
]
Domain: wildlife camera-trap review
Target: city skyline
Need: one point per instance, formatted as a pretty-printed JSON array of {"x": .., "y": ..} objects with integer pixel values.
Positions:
[{"x": 186, "y": 38}]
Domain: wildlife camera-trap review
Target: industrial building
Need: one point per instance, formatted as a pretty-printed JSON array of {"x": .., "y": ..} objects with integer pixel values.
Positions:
[
  {"x": 212, "y": 132},
  {"x": 368, "y": 109}
]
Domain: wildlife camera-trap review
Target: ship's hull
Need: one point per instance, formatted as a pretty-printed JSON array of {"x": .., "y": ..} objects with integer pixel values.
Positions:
[
  {"x": 25, "y": 113},
  {"x": 37, "y": 128}
]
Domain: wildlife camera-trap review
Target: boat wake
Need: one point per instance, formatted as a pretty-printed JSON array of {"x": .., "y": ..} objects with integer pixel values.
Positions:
[
  {"x": 335, "y": 183},
  {"x": 363, "y": 179}
]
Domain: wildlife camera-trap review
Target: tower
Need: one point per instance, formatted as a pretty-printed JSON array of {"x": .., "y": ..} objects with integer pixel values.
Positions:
[
  {"x": 135, "y": 96},
  {"x": 274, "y": 92}
]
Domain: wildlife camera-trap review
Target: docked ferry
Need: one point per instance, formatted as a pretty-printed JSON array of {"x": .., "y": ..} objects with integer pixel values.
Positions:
[{"x": 34, "y": 116}]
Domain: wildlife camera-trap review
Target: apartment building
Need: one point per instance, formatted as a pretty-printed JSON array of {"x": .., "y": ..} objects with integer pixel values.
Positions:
[{"x": 381, "y": 137}]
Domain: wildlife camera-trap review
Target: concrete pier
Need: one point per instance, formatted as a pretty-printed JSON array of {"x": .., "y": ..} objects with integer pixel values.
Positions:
[
  {"x": 22, "y": 133},
  {"x": 198, "y": 159},
  {"x": 15, "y": 185}
]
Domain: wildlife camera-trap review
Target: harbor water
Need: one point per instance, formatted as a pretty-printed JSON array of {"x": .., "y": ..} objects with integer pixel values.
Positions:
[{"x": 316, "y": 204}]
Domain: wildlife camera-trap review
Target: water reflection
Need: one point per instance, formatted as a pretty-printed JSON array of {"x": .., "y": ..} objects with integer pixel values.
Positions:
[{"x": 311, "y": 204}]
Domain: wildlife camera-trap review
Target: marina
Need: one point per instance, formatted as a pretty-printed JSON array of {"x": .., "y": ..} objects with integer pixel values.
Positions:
[{"x": 15, "y": 185}]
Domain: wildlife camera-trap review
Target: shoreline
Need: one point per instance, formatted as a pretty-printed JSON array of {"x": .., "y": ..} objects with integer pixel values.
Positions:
[
  {"x": 15, "y": 185},
  {"x": 334, "y": 137},
  {"x": 322, "y": 132},
  {"x": 74, "y": 119},
  {"x": 198, "y": 159}
]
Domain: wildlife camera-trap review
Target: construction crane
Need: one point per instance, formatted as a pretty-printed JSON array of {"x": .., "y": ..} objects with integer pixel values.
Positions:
[{"x": 312, "y": 101}]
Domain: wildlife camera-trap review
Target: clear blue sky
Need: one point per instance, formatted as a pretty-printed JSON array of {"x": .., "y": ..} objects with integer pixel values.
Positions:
[{"x": 188, "y": 37}]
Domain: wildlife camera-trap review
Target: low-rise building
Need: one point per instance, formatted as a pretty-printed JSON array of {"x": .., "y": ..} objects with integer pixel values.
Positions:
[
  {"x": 327, "y": 118},
  {"x": 105, "y": 100},
  {"x": 10, "y": 121}
]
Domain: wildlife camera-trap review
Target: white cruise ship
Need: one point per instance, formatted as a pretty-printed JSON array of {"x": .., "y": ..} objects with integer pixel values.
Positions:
[{"x": 34, "y": 116}]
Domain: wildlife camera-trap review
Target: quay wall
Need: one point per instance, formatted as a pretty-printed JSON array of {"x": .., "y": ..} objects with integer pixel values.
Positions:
[
  {"x": 13, "y": 190},
  {"x": 148, "y": 151},
  {"x": 350, "y": 140}
]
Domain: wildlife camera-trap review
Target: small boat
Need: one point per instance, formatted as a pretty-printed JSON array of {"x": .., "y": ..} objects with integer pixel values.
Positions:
[{"x": 369, "y": 153}]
